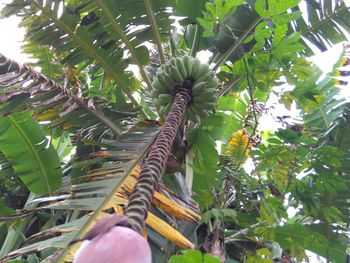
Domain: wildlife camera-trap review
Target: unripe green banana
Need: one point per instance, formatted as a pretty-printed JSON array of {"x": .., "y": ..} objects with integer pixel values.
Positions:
[
  {"x": 206, "y": 77},
  {"x": 163, "y": 82},
  {"x": 192, "y": 115},
  {"x": 167, "y": 109},
  {"x": 169, "y": 81},
  {"x": 181, "y": 67},
  {"x": 172, "y": 62},
  {"x": 206, "y": 105},
  {"x": 188, "y": 62},
  {"x": 202, "y": 113},
  {"x": 167, "y": 70},
  {"x": 172, "y": 75},
  {"x": 204, "y": 68},
  {"x": 156, "y": 101},
  {"x": 213, "y": 83},
  {"x": 206, "y": 95},
  {"x": 176, "y": 74},
  {"x": 195, "y": 67},
  {"x": 198, "y": 88},
  {"x": 165, "y": 99},
  {"x": 157, "y": 85}
]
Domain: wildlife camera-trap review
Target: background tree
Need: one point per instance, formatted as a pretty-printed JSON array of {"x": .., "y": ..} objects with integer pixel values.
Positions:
[{"x": 74, "y": 135}]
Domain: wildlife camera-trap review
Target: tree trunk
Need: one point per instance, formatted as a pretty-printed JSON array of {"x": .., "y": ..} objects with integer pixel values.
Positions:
[{"x": 142, "y": 194}]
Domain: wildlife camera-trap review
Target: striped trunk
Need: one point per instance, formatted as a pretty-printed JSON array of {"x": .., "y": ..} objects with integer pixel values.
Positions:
[{"x": 141, "y": 197}]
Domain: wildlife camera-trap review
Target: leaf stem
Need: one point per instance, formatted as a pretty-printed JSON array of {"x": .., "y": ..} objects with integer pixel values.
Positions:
[
  {"x": 224, "y": 90},
  {"x": 155, "y": 30},
  {"x": 141, "y": 196},
  {"x": 235, "y": 45},
  {"x": 123, "y": 37},
  {"x": 100, "y": 116},
  {"x": 30, "y": 144},
  {"x": 189, "y": 169},
  {"x": 89, "y": 50}
]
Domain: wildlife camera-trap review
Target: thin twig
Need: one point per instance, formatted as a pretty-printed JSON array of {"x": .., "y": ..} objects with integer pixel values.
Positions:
[
  {"x": 241, "y": 232},
  {"x": 251, "y": 96},
  {"x": 223, "y": 91}
]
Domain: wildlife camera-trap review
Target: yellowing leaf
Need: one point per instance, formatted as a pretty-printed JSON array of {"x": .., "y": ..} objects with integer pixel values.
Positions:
[
  {"x": 168, "y": 231},
  {"x": 160, "y": 200},
  {"x": 173, "y": 208},
  {"x": 239, "y": 147},
  {"x": 47, "y": 115},
  {"x": 169, "y": 206}
]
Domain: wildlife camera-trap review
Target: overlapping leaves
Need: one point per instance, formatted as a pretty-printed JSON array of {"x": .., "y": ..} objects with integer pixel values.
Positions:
[
  {"x": 84, "y": 33},
  {"x": 23, "y": 88},
  {"x": 103, "y": 189}
]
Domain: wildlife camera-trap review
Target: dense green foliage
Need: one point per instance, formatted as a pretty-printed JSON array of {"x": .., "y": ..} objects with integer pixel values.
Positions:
[{"x": 71, "y": 139}]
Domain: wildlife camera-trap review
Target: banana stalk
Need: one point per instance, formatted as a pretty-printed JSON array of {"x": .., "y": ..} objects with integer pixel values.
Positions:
[{"x": 141, "y": 196}]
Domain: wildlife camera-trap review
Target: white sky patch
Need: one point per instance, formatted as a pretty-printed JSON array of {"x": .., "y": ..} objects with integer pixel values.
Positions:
[
  {"x": 12, "y": 39},
  {"x": 204, "y": 55}
]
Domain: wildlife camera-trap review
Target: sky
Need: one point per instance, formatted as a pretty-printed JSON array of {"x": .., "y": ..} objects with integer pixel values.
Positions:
[{"x": 12, "y": 37}]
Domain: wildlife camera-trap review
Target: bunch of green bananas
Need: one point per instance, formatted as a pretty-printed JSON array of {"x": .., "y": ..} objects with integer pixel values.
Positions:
[{"x": 187, "y": 72}]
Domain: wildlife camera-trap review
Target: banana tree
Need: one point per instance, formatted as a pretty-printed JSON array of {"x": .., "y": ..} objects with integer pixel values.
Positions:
[
  {"x": 85, "y": 47},
  {"x": 181, "y": 85}
]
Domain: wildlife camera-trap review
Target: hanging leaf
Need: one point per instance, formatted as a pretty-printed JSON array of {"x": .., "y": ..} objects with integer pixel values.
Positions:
[
  {"x": 239, "y": 147},
  {"x": 25, "y": 146}
]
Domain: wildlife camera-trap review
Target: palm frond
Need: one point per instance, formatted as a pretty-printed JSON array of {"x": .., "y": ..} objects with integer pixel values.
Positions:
[
  {"x": 319, "y": 97},
  {"x": 23, "y": 88},
  {"x": 86, "y": 32},
  {"x": 93, "y": 192},
  {"x": 12, "y": 190},
  {"x": 43, "y": 58},
  {"x": 330, "y": 184},
  {"x": 324, "y": 23},
  {"x": 107, "y": 188}
]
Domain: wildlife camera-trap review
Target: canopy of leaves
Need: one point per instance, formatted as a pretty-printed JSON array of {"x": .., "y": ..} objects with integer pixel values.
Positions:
[{"x": 75, "y": 131}]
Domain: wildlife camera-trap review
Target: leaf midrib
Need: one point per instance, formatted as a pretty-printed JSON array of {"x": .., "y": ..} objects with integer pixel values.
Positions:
[
  {"x": 32, "y": 150},
  {"x": 86, "y": 47}
]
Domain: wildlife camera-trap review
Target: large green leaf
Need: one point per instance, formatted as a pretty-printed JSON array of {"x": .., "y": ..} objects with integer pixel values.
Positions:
[
  {"x": 311, "y": 237},
  {"x": 90, "y": 192},
  {"x": 193, "y": 256},
  {"x": 23, "y": 143},
  {"x": 190, "y": 9},
  {"x": 273, "y": 8}
]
